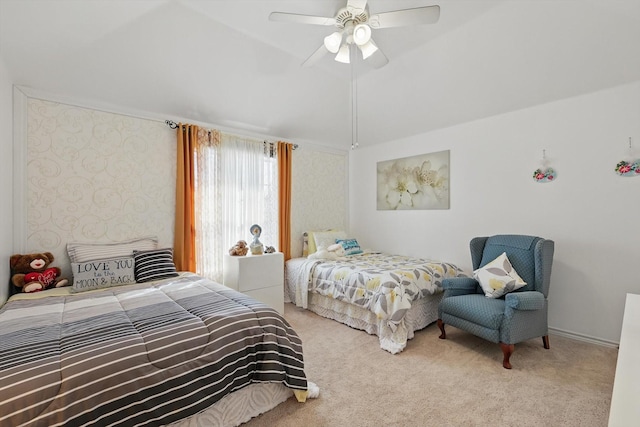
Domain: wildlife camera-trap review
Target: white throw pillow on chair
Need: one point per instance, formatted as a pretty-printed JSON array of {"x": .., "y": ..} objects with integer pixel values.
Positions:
[{"x": 498, "y": 277}]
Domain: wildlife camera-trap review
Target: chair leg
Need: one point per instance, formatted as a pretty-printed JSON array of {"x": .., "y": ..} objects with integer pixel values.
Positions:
[
  {"x": 545, "y": 341},
  {"x": 443, "y": 334},
  {"x": 507, "y": 350}
]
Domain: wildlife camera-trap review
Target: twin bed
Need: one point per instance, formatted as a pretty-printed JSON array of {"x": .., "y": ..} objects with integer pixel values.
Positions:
[
  {"x": 390, "y": 296},
  {"x": 178, "y": 351}
]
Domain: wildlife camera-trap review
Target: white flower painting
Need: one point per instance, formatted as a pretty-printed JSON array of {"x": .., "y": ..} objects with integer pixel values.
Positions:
[{"x": 417, "y": 182}]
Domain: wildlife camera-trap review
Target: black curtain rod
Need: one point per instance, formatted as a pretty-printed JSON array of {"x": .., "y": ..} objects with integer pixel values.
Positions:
[{"x": 174, "y": 125}]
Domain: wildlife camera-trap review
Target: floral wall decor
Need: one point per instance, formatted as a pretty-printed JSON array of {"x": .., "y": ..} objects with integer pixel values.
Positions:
[
  {"x": 628, "y": 168},
  {"x": 544, "y": 173},
  {"x": 417, "y": 182}
]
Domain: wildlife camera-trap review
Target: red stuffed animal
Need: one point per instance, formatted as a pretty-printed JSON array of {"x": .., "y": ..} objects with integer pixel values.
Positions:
[{"x": 31, "y": 272}]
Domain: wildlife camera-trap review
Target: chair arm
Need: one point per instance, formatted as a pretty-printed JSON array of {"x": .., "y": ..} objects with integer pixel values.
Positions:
[
  {"x": 527, "y": 300},
  {"x": 455, "y": 286}
]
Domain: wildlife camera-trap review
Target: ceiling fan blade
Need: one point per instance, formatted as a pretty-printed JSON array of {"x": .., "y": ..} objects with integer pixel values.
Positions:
[
  {"x": 399, "y": 18},
  {"x": 377, "y": 59},
  {"x": 315, "y": 56},
  {"x": 356, "y": 7},
  {"x": 301, "y": 19}
]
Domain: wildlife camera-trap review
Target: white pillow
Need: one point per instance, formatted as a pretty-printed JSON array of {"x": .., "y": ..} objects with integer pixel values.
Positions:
[
  {"x": 336, "y": 249},
  {"x": 83, "y": 252},
  {"x": 325, "y": 239},
  {"x": 498, "y": 277}
]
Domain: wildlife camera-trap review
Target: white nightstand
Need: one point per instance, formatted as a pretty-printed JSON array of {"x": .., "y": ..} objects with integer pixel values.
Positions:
[{"x": 259, "y": 276}]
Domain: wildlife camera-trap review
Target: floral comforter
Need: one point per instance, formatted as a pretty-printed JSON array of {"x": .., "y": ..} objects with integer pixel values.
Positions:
[{"x": 384, "y": 284}]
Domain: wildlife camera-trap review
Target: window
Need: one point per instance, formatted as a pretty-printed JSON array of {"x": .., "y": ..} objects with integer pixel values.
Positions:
[{"x": 236, "y": 187}]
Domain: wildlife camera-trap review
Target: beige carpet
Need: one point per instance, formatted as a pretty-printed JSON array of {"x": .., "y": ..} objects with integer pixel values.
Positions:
[{"x": 454, "y": 382}]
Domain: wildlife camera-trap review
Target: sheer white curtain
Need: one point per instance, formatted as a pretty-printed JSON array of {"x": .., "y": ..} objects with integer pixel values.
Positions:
[{"x": 236, "y": 187}]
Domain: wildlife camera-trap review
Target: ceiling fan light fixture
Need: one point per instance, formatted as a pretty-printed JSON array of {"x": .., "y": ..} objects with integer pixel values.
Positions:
[
  {"x": 361, "y": 34},
  {"x": 354, "y": 25},
  {"x": 368, "y": 49},
  {"x": 332, "y": 42},
  {"x": 343, "y": 54}
]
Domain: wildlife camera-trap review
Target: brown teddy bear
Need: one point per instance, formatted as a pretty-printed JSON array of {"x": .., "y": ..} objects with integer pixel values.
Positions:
[
  {"x": 31, "y": 272},
  {"x": 239, "y": 249}
]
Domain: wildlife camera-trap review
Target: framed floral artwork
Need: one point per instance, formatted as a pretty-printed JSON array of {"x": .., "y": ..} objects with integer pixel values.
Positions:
[{"x": 417, "y": 182}]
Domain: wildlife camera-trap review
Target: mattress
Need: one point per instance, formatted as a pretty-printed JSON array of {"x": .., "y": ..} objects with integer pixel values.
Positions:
[
  {"x": 390, "y": 296},
  {"x": 146, "y": 354}
]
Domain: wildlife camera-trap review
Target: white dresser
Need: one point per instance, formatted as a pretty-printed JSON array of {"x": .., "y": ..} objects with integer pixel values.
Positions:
[
  {"x": 259, "y": 276},
  {"x": 625, "y": 400}
]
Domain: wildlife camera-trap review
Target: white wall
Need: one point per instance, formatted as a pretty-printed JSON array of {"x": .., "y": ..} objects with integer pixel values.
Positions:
[
  {"x": 590, "y": 212},
  {"x": 6, "y": 181}
]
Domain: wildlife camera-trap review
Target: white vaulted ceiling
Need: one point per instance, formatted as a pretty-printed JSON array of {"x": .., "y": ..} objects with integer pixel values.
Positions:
[{"x": 224, "y": 63}]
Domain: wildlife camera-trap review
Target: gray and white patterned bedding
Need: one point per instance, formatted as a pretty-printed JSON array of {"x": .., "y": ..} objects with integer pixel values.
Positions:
[
  {"x": 383, "y": 284},
  {"x": 140, "y": 354}
]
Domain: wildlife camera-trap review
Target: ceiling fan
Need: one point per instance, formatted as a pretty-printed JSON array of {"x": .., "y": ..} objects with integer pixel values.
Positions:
[{"x": 353, "y": 27}]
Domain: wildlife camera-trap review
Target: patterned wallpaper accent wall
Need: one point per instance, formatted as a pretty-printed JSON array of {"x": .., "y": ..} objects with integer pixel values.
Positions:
[
  {"x": 318, "y": 193},
  {"x": 94, "y": 176}
]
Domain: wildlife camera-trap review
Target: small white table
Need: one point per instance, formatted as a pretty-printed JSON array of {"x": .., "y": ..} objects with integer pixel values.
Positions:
[
  {"x": 625, "y": 400},
  {"x": 258, "y": 276}
]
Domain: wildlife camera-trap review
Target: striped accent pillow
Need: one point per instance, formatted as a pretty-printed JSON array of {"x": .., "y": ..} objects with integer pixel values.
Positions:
[
  {"x": 154, "y": 265},
  {"x": 83, "y": 252}
]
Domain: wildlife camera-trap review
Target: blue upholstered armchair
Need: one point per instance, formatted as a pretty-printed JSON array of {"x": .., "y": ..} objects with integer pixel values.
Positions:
[{"x": 515, "y": 317}]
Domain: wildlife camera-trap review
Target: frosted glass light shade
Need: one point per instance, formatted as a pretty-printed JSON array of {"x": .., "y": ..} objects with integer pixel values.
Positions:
[
  {"x": 343, "y": 54},
  {"x": 332, "y": 42},
  {"x": 368, "y": 49},
  {"x": 361, "y": 34}
]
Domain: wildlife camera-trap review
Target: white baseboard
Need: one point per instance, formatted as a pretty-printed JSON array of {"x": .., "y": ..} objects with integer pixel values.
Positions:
[{"x": 585, "y": 338}]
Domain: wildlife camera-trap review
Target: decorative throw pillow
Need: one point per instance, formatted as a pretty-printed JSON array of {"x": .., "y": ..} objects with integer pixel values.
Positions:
[
  {"x": 498, "y": 277},
  {"x": 324, "y": 239},
  {"x": 351, "y": 246},
  {"x": 82, "y": 252},
  {"x": 102, "y": 273},
  {"x": 154, "y": 265}
]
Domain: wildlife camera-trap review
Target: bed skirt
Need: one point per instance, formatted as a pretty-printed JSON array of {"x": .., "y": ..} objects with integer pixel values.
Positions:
[
  {"x": 422, "y": 313},
  {"x": 239, "y": 407}
]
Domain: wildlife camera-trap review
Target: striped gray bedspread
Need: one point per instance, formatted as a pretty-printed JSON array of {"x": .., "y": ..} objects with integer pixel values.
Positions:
[{"x": 138, "y": 355}]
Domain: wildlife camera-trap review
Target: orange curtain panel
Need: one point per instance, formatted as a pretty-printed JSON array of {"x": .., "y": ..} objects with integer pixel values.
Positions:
[
  {"x": 184, "y": 246},
  {"x": 285, "y": 153}
]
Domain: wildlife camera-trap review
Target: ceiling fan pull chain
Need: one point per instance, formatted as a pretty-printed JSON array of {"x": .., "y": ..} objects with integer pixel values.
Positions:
[
  {"x": 354, "y": 99},
  {"x": 355, "y": 104}
]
